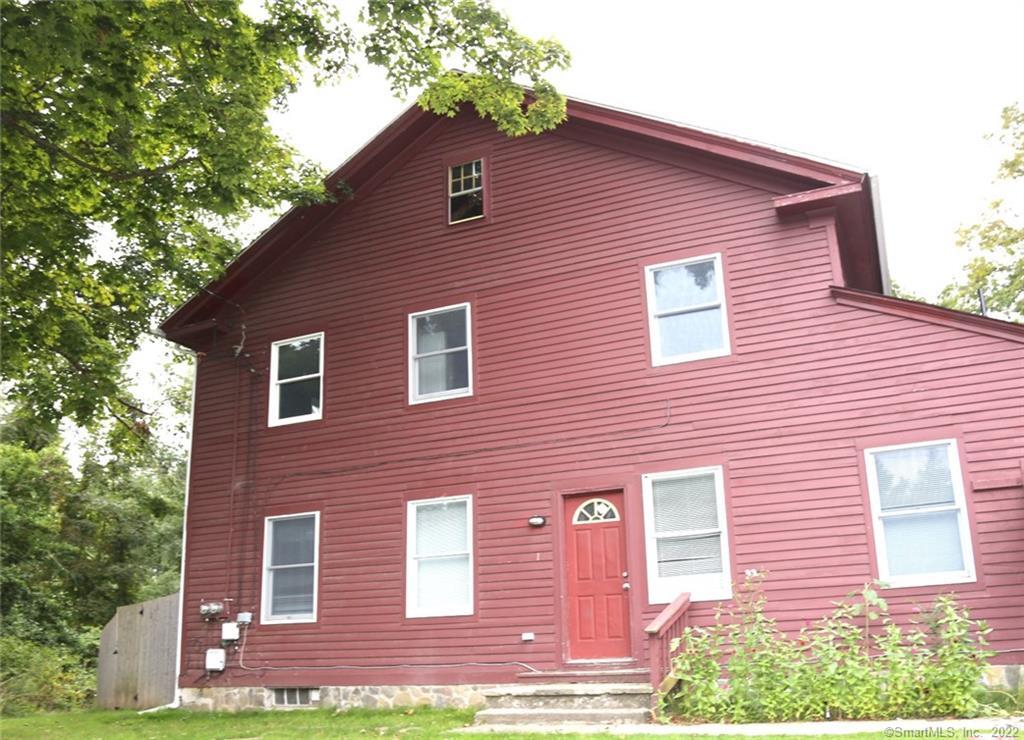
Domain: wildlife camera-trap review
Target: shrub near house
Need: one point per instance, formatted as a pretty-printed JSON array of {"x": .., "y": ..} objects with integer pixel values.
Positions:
[{"x": 853, "y": 664}]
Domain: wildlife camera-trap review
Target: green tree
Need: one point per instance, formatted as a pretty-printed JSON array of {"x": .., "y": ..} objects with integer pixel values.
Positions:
[
  {"x": 996, "y": 245},
  {"x": 75, "y": 547},
  {"x": 135, "y": 138}
]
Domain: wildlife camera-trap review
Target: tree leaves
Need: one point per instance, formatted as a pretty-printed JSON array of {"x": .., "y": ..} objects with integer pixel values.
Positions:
[
  {"x": 996, "y": 245},
  {"x": 136, "y": 140},
  {"x": 77, "y": 546}
]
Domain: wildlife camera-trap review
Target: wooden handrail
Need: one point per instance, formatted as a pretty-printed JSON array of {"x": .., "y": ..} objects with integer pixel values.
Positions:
[
  {"x": 668, "y": 616},
  {"x": 666, "y": 627}
]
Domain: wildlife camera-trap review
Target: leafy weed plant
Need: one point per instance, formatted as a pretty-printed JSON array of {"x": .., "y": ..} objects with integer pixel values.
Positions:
[{"x": 855, "y": 663}]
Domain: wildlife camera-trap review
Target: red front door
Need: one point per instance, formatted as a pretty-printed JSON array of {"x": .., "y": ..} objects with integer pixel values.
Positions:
[{"x": 595, "y": 555}]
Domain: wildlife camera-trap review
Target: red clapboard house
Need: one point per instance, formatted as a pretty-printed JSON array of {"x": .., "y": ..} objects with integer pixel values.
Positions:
[{"x": 521, "y": 408}]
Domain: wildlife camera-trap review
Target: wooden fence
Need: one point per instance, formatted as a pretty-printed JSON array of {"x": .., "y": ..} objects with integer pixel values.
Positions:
[{"x": 138, "y": 649}]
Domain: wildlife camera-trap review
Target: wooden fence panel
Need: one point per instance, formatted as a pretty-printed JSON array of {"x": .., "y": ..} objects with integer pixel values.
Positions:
[
  {"x": 106, "y": 666},
  {"x": 137, "y": 655}
]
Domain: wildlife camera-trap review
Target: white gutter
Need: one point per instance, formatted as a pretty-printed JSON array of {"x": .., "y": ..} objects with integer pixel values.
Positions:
[
  {"x": 176, "y": 702},
  {"x": 883, "y": 256}
]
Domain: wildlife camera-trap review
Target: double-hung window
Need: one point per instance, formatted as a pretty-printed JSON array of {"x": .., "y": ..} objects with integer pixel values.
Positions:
[
  {"x": 922, "y": 536},
  {"x": 439, "y": 563},
  {"x": 687, "y": 542},
  {"x": 290, "y": 547},
  {"x": 296, "y": 380},
  {"x": 440, "y": 357},
  {"x": 466, "y": 191},
  {"x": 686, "y": 310}
]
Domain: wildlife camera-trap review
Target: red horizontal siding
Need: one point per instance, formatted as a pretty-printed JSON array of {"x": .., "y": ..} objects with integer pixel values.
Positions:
[{"x": 564, "y": 391}]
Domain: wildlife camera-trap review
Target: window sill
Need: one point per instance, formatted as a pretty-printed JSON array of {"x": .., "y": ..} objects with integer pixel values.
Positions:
[
  {"x": 294, "y": 420},
  {"x": 657, "y": 598},
  {"x": 694, "y": 357},
  {"x": 298, "y": 620},
  {"x": 481, "y": 217},
  {"x": 937, "y": 579},
  {"x": 437, "y": 615},
  {"x": 464, "y": 393}
]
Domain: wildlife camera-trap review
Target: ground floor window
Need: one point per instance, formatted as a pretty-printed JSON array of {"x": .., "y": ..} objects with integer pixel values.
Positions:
[
  {"x": 290, "y": 547},
  {"x": 919, "y": 515},
  {"x": 439, "y": 564},
  {"x": 686, "y": 538}
]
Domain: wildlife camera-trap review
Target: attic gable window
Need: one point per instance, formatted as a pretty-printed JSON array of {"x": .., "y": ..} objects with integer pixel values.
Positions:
[
  {"x": 922, "y": 537},
  {"x": 440, "y": 357},
  {"x": 466, "y": 191},
  {"x": 296, "y": 380},
  {"x": 686, "y": 310}
]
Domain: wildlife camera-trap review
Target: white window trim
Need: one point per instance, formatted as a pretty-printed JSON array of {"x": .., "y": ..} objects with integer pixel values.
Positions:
[
  {"x": 968, "y": 574},
  {"x": 274, "y": 404},
  {"x": 412, "y": 608},
  {"x": 466, "y": 192},
  {"x": 653, "y": 314},
  {"x": 414, "y": 395},
  {"x": 265, "y": 596},
  {"x": 704, "y": 587}
]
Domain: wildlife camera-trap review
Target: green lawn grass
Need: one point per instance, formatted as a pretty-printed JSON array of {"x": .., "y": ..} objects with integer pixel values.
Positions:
[
  {"x": 253, "y": 725},
  {"x": 305, "y": 723}
]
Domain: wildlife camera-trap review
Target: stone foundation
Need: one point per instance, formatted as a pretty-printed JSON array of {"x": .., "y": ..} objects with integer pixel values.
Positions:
[
  {"x": 231, "y": 699},
  {"x": 461, "y": 696},
  {"x": 341, "y": 697}
]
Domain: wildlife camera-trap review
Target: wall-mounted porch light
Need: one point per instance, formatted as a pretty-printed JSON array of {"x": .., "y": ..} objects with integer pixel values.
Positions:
[{"x": 537, "y": 520}]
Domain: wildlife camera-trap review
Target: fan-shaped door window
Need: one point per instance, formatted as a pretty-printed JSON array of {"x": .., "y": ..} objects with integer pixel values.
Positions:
[{"x": 595, "y": 510}]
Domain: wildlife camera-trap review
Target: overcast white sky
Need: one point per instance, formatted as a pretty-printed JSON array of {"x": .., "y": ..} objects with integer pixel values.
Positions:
[{"x": 904, "y": 90}]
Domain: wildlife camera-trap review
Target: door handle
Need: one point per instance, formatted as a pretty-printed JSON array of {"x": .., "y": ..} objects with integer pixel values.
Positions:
[{"x": 625, "y": 587}]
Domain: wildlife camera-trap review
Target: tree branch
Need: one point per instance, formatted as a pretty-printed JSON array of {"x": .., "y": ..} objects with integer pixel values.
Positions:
[
  {"x": 131, "y": 426},
  {"x": 11, "y": 119},
  {"x": 133, "y": 407}
]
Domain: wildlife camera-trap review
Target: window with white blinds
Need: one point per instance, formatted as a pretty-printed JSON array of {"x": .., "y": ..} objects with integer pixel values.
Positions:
[
  {"x": 687, "y": 544},
  {"x": 290, "y": 547},
  {"x": 686, "y": 310},
  {"x": 922, "y": 536},
  {"x": 439, "y": 564}
]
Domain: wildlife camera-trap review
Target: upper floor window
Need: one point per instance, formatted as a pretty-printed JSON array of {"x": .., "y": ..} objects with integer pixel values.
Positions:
[
  {"x": 686, "y": 310},
  {"x": 439, "y": 568},
  {"x": 466, "y": 191},
  {"x": 687, "y": 543},
  {"x": 290, "y": 546},
  {"x": 296, "y": 379},
  {"x": 440, "y": 356},
  {"x": 922, "y": 536}
]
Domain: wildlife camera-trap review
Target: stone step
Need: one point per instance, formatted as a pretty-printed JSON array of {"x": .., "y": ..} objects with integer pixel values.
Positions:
[
  {"x": 508, "y": 716},
  {"x": 582, "y": 675},
  {"x": 570, "y": 696}
]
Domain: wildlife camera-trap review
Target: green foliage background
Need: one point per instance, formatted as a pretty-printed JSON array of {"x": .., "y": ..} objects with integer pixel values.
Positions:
[
  {"x": 996, "y": 244},
  {"x": 75, "y": 545}
]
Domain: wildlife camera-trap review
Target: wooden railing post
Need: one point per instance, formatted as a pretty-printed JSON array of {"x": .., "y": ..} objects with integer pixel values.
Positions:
[{"x": 667, "y": 625}]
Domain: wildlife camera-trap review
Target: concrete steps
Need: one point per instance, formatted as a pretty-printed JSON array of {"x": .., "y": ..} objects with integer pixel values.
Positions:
[
  {"x": 605, "y": 675},
  {"x": 595, "y": 703}
]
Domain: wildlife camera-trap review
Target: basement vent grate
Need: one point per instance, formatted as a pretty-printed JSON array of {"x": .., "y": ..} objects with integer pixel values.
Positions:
[{"x": 296, "y": 697}]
